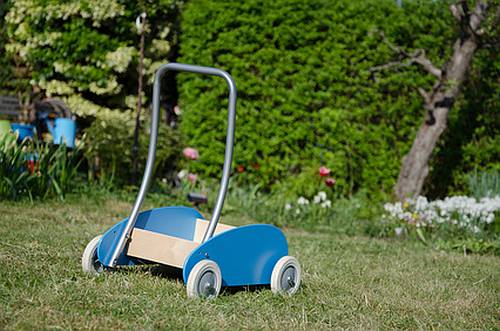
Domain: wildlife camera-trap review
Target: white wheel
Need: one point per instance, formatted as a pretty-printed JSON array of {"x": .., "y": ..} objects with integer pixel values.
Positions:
[
  {"x": 90, "y": 263},
  {"x": 286, "y": 276},
  {"x": 205, "y": 280}
]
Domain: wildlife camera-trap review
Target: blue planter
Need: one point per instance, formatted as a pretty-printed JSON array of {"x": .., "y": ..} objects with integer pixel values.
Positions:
[{"x": 23, "y": 130}]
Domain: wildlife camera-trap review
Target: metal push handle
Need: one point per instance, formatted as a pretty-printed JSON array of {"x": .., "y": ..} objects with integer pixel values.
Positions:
[{"x": 228, "y": 155}]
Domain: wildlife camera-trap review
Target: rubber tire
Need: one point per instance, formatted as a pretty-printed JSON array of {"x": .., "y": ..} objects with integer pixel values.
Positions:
[
  {"x": 89, "y": 257},
  {"x": 195, "y": 275},
  {"x": 279, "y": 268}
]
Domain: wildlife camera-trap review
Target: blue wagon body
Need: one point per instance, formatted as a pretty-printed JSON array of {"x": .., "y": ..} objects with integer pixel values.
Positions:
[{"x": 246, "y": 255}]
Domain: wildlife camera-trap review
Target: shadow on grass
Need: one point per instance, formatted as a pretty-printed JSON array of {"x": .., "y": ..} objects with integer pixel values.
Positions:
[{"x": 175, "y": 274}]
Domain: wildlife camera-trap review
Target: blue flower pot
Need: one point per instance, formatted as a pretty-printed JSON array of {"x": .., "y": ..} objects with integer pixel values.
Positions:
[{"x": 23, "y": 130}]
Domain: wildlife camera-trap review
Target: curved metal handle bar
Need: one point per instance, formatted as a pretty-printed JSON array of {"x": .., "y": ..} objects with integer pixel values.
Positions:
[{"x": 228, "y": 155}]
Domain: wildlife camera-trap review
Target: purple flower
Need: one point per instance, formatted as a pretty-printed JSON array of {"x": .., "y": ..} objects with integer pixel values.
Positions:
[{"x": 330, "y": 182}]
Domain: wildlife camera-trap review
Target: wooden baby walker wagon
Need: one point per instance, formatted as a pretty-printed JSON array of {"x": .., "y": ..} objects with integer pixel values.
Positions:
[{"x": 211, "y": 255}]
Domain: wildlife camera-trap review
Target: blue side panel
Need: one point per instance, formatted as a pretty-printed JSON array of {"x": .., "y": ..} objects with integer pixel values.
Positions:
[
  {"x": 173, "y": 221},
  {"x": 246, "y": 255},
  {"x": 108, "y": 243}
]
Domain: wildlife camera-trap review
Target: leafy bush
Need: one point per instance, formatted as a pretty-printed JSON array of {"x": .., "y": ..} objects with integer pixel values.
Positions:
[
  {"x": 323, "y": 212},
  {"x": 89, "y": 47},
  {"x": 107, "y": 146},
  {"x": 34, "y": 170},
  {"x": 306, "y": 94}
]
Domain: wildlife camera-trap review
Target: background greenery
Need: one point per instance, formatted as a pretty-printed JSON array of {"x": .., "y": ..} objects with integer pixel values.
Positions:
[
  {"x": 86, "y": 53},
  {"x": 307, "y": 97}
]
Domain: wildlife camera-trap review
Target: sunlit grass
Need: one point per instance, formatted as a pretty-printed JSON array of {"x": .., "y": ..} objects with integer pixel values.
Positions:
[{"x": 349, "y": 282}]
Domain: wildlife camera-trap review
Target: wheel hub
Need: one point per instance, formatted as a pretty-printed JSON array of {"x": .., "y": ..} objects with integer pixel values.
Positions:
[
  {"x": 206, "y": 285},
  {"x": 98, "y": 267},
  {"x": 288, "y": 278}
]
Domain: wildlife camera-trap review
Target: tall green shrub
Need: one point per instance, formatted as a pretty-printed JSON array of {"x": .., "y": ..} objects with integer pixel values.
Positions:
[{"x": 306, "y": 94}]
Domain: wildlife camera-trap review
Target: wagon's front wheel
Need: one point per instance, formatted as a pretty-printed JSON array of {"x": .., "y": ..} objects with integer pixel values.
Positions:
[
  {"x": 286, "y": 276},
  {"x": 90, "y": 262},
  {"x": 205, "y": 280}
]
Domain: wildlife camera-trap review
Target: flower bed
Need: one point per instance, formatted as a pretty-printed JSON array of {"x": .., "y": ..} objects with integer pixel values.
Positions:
[
  {"x": 453, "y": 217},
  {"x": 459, "y": 211}
]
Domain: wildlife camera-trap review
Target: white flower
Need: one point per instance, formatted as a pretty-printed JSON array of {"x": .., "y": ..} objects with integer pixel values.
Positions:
[
  {"x": 326, "y": 204},
  {"x": 288, "y": 206},
  {"x": 297, "y": 211},
  {"x": 321, "y": 196},
  {"x": 302, "y": 201},
  {"x": 399, "y": 231},
  {"x": 181, "y": 174},
  {"x": 476, "y": 229}
]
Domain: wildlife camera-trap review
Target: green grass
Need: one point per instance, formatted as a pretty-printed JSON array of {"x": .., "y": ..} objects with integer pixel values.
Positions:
[{"x": 348, "y": 282}]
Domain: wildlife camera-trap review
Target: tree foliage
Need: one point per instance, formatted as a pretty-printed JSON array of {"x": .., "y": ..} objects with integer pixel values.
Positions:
[{"x": 89, "y": 47}]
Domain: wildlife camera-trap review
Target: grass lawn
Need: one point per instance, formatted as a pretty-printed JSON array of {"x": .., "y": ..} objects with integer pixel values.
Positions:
[{"x": 348, "y": 282}]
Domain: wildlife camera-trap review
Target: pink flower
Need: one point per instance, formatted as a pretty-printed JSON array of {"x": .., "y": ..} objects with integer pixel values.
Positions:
[
  {"x": 190, "y": 153},
  {"x": 330, "y": 181},
  {"x": 324, "y": 171},
  {"x": 192, "y": 178}
]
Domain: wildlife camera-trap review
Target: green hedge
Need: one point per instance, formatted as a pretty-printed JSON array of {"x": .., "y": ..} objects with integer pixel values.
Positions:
[{"x": 306, "y": 95}]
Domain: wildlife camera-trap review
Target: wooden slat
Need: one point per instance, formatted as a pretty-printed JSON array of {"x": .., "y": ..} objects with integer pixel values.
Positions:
[
  {"x": 160, "y": 248},
  {"x": 201, "y": 227}
]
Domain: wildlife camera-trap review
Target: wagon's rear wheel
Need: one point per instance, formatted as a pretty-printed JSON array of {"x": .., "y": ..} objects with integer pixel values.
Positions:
[
  {"x": 205, "y": 280},
  {"x": 90, "y": 262},
  {"x": 286, "y": 276}
]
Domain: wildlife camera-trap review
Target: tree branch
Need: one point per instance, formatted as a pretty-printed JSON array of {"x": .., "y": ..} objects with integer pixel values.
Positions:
[
  {"x": 477, "y": 16},
  {"x": 425, "y": 95},
  {"x": 418, "y": 57},
  {"x": 457, "y": 10},
  {"x": 389, "y": 65}
]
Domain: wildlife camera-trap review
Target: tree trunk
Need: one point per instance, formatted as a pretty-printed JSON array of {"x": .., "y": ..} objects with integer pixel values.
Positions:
[{"x": 438, "y": 102}]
